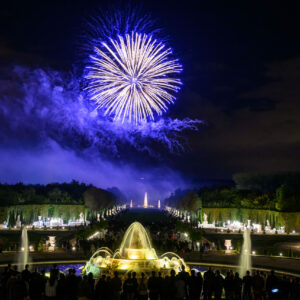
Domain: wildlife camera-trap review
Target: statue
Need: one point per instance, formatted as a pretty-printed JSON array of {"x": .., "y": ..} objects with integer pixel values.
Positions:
[
  {"x": 18, "y": 222},
  {"x": 268, "y": 227},
  {"x": 205, "y": 219},
  {"x": 228, "y": 246},
  {"x": 51, "y": 243},
  {"x": 81, "y": 217}
]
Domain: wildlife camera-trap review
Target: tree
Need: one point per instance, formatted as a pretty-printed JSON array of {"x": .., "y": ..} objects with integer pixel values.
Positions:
[
  {"x": 286, "y": 199},
  {"x": 187, "y": 200},
  {"x": 195, "y": 235},
  {"x": 55, "y": 195},
  {"x": 97, "y": 199},
  {"x": 40, "y": 245}
]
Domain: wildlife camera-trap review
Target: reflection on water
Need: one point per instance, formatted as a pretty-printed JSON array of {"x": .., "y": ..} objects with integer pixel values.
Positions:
[
  {"x": 78, "y": 268},
  {"x": 62, "y": 268}
]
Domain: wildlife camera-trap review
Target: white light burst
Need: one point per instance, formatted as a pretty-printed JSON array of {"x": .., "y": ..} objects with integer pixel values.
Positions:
[{"x": 133, "y": 78}]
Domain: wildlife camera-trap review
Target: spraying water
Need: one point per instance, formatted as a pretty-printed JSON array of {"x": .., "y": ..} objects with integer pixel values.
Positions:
[
  {"x": 146, "y": 200},
  {"x": 245, "y": 259},
  {"x": 23, "y": 256}
]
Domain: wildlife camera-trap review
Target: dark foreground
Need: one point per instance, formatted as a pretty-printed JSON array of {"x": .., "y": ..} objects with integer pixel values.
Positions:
[{"x": 35, "y": 285}]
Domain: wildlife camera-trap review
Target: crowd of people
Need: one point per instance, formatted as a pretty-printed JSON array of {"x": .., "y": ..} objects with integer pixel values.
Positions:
[
  {"x": 163, "y": 233},
  {"x": 36, "y": 285}
]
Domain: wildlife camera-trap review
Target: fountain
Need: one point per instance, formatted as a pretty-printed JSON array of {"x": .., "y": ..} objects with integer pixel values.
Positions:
[
  {"x": 131, "y": 204},
  {"x": 23, "y": 256},
  {"x": 245, "y": 259},
  {"x": 146, "y": 200},
  {"x": 158, "y": 204},
  {"x": 135, "y": 254}
]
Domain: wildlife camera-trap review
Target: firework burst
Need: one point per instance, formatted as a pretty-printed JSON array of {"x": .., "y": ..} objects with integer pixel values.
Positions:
[{"x": 133, "y": 78}]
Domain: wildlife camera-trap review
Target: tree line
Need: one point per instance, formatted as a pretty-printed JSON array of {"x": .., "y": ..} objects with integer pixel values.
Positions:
[
  {"x": 279, "y": 192},
  {"x": 74, "y": 192}
]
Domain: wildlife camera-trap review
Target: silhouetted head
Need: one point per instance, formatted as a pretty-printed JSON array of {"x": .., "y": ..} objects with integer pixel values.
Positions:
[
  {"x": 116, "y": 273},
  {"x": 218, "y": 272},
  {"x": 103, "y": 277},
  {"x": 134, "y": 274},
  {"x": 248, "y": 273},
  {"x": 237, "y": 275},
  {"x": 173, "y": 273},
  {"x": 153, "y": 273},
  {"x": 193, "y": 272},
  {"x": 143, "y": 275},
  {"x": 26, "y": 267}
]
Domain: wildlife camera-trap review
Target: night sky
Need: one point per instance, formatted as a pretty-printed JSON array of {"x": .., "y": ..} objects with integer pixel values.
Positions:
[{"x": 241, "y": 77}]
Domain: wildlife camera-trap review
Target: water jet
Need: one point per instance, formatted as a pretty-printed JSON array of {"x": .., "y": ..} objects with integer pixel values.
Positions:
[
  {"x": 23, "y": 256},
  {"x": 245, "y": 259}
]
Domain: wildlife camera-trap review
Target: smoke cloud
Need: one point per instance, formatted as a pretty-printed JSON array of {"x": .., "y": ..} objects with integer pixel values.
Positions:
[{"x": 50, "y": 132}]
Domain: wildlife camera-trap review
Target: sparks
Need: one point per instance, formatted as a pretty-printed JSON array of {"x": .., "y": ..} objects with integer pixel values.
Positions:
[{"x": 132, "y": 78}]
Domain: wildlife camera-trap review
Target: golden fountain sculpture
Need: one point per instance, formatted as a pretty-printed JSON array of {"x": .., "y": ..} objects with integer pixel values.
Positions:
[{"x": 135, "y": 254}]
